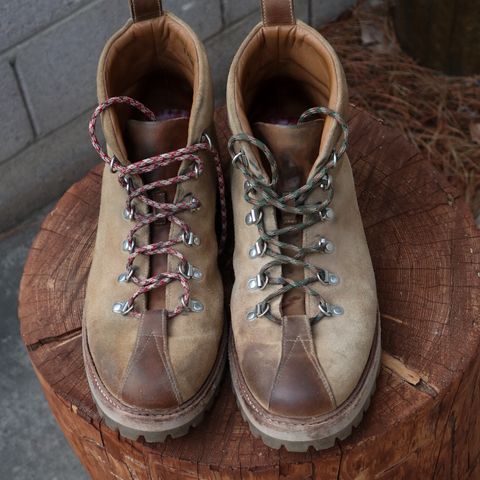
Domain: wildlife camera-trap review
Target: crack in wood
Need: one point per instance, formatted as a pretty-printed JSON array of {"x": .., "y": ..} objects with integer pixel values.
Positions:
[
  {"x": 399, "y": 368},
  {"x": 64, "y": 337}
]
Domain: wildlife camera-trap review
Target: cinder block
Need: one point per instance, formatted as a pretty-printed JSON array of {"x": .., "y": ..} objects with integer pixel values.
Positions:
[
  {"x": 57, "y": 68},
  {"x": 302, "y": 10},
  {"x": 204, "y": 16},
  {"x": 15, "y": 126},
  {"x": 21, "y": 19},
  {"x": 43, "y": 171},
  {"x": 324, "y": 11},
  {"x": 235, "y": 10},
  {"x": 221, "y": 50}
]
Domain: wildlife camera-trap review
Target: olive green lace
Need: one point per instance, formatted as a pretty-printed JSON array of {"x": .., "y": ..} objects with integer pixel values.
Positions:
[{"x": 261, "y": 193}]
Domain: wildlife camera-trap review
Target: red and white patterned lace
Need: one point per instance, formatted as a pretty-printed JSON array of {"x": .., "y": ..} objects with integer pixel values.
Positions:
[{"x": 159, "y": 211}]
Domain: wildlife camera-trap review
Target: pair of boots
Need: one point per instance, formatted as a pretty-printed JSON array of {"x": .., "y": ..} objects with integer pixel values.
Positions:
[{"x": 304, "y": 348}]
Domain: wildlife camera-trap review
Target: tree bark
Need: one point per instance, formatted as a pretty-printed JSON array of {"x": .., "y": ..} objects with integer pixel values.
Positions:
[{"x": 423, "y": 421}]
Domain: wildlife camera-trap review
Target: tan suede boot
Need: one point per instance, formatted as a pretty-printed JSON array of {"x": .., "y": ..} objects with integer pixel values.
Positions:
[
  {"x": 305, "y": 350},
  {"x": 153, "y": 336}
]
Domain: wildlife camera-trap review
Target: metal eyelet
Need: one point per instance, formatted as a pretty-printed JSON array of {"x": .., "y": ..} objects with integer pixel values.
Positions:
[
  {"x": 328, "y": 278},
  {"x": 330, "y": 310},
  {"x": 192, "y": 306},
  {"x": 326, "y": 182},
  {"x": 206, "y": 139},
  {"x": 128, "y": 245},
  {"x": 122, "y": 308},
  {"x": 196, "y": 170},
  {"x": 125, "y": 277},
  {"x": 188, "y": 271},
  {"x": 129, "y": 213},
  {"x": 326, "y": 246},
  {"x": 195, "y": 205},
  {"x": 127, "y": 180},
  {"x": 260, "y": 310},
  {"x": 258, "y": 250},
  {"x": 189, "y": 239},
  {"x": 113, "y": 161},
  {"x": 334, "y": 160},
  {"x": 237, "y": 157},
  {"x": 326, "y": 214},
  {"x": 254, "y": 216},
  {"x": 248, "y": 187},
  {"x": 259, "y": 282}
]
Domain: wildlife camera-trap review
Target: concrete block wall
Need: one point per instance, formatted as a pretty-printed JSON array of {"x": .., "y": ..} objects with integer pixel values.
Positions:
[{"x": 48, "y": 58}]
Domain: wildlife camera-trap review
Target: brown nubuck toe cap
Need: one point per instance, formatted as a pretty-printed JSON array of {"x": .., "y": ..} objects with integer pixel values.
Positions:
[
  {"x": 149, "y": 382},
  {"x": 296, "y": 385}
]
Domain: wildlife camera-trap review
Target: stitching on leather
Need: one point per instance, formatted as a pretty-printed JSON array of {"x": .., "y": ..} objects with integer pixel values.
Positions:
[
  {"x": 280, "y": 364},
  {"x": 316, "y": 365},
  {"x": 283, "y": 364},
  {"x": 134, "y": 13},
  {"x": 135, "y": 355},
  {"x": 132, "y": 357},
  {"x": 266, "y": 21},
  {"x": 160, "y": 9},
  {"x": 310, "y": 357},
  {"x": 264, "y": 13},
  {"x": 292, "y": 17},
  {"x": 168, "y": 365},
  {"x": 168, "y": 369}
]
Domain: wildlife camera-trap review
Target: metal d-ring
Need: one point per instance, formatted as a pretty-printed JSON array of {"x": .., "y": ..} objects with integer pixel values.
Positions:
[
  {"x": 189, "y": 239},
  {"x": 258, "y": 282},
  {"x": 122, "y": 308},
  {"x": 128, "y": 245},
  {"x": 330, "y": 310},
  {"x": 113, "y": 161},
  {"x": 260, "y": 310},
  {"x": 127, "y": 180},
  {"x": 326, "y": 246},
  {"x": 327, "y": 278},
  {"x": 129, "y": 212},
  {"x": 237, "y": 156},
  {"x": 188, "y": 271},
  {"x": 254, "y": 216},
  {"x": 192, "y": 305},
  {"x": 258, "y": 250},
  {"x": 125, "y": 277},
  {"x": 206, "y": 137}
]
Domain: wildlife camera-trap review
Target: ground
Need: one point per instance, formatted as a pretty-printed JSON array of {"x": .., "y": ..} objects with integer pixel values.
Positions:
[{"x": 31, "y": 444}]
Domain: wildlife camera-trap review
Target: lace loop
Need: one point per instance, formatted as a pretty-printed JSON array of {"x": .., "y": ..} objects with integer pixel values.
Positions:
[{"x": 158, "y": 210}]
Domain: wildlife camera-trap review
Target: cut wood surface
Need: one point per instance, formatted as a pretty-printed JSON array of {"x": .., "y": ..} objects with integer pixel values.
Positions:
[{"x": 424, "y": 420}]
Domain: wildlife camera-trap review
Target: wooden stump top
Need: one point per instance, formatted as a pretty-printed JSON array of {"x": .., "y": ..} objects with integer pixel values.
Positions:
[{"x": 423, "y": 417}]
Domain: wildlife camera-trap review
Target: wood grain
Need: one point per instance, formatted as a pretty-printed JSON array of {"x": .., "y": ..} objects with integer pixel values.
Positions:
[{"x": 423, "y": 421}]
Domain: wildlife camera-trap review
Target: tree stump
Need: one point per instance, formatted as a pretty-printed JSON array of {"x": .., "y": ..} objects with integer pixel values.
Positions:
[{"x": 423, "y": 421}]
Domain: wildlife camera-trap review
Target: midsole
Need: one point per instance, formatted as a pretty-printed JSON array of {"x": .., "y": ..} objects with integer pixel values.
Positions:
[
  {"x": 154, "y": 420},
  {"x": 316, "y": 428}
]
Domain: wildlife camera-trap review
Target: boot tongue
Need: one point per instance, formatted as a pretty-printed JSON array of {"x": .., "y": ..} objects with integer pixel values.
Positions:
[
  {"x": 146, "y": 139},
  {"x": 294, "y": 147}
]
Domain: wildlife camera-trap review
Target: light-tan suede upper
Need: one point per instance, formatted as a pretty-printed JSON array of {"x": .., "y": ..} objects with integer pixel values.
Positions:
[
  {"x": 337, "y": 348},
  {"x": 193, "y": 338}
]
